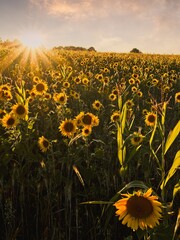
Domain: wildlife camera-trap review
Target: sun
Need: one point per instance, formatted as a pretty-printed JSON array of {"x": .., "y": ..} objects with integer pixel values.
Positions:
[{"x": 32, "y": 39}]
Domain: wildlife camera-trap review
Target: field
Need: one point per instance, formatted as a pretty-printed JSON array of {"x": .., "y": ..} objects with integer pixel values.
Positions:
[{"x": 78, "y": 129}]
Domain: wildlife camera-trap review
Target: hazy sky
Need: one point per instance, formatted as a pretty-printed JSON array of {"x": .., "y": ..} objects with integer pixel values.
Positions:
[{"x": 152, "y": 26}]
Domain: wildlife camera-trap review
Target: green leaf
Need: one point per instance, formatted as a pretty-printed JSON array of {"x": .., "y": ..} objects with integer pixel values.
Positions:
[
  {"x": 120, "y": 131},
  {"x": 174, "y": 167},
  {"x": 172, "y": 136},
  {"x": 163, "y": 113},
  {"x": 176, "y": 189},
  {"x": 153, "y": 133}
]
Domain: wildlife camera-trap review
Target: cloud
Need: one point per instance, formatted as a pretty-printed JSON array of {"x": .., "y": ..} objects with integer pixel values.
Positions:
[
  {"x": 78, "y": 9},
  {"x": 103, "y": 8}
]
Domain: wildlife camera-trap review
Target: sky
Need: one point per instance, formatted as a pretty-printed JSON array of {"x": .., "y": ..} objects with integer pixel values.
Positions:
[{"x": 152, "y": 26}]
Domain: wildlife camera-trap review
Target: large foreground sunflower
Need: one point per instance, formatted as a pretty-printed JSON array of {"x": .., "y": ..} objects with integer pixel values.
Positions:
[{"x": 139, "y": 210}]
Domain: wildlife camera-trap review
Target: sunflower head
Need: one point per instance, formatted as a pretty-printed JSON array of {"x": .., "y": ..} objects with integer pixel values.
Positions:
[
  {"x": 9, "y": 120},
  {"x": 115, "y": 116},
  {"x": 77, "y": 80},
  {"x": 85, "y": 81},
  {"x": 97, "y": 105},
  {"x": 40, "y": 87},
  {"x": 177, "y": 97},
  {"x": 68, "y": 127},
  {"x": 86, "y": 131},
  {"x": 20, "y": 110},
  {"x": 136, "y": 138},
  {"x": 61, "y": 98},
  {"x": 43, "y": 143},
  {"x": 131, "y": 81},
  {"x": 150, "y": 119},
  {"x": 139, "y": 210},
  {"x": 112, "y": 97},
  {"x": 66, "y": 84}
]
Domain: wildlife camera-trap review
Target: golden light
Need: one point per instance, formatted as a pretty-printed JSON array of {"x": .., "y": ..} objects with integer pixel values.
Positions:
[{"x": 32, "y": 39}]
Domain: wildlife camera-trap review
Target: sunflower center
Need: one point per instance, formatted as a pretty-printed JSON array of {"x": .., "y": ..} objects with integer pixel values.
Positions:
[
  {"x": 61, "y": 99},
  {"x": 97, "y": 105},
  {"x": 86, "y": 131},
  {"x": 10, "y": 121},
  {"x": 40, "y": 87},
  {"x": 151, "y": 118},
  {"x": 20, "y": 110},
  {"x": 137, "y": 139},
  {"x": 69, "y": 127},
  {"x": 45, "y": 143},
  {"x": 115, "y": 117},
  {"x": 139, "y": 207},
  {"x": 87, "y": 119}
]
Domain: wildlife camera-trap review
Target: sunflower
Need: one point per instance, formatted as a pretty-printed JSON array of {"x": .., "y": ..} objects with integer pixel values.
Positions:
[
  {"x": 68, "y": 127},
  {"x": 106, "y": 70},
  {"x": 115, "y": 65},
  {"x": 40, "y": 87},
  {"x": 134, "y": 75},
  {"x": 115, "y": 116},
  {"x": 43, "y": 143},
  {"x": 85, "y": 81},
  {"x": 131, "y": 81},
  {"x": 136, "y": 138},
  {"x": 134, "y": 89},
  {"x": 60, "y": 97},
  {"x": 5, "y": 94},
  {"x": 139, "y": 93},
  {"x": 87, "y": 119},
  {"x": 139, "y": 210},
  {"x": 2, "y": 113},
  {"x": 9, "y": 120},
  {"x": 154, "y": 81},
  {"x": 129, "y": 104},
  {"x": 77, "y": 80},
  {"x": 35, "y": 79},
  {"x": 86, "y": 131},
  {"x": 106, "y": 80},
  {"x": 144, "y": 111},
  {"x": 115, "y": 91},
  {"x": 5, "y": 87},
  {"x": 150, "y": 119},
  {"x": 95, "y": 121},
  {"x": 100, "y": 77},
  {"x": 66, "y": 84},
  {"x": 112, "y": 97},
  {"x": 47, "y": 96},
  {"x": 97, "y": 105},
  {"x": 177, "y": 97},
  {"x": 20, "y": 110},
  {"x": 76, "y": 95},
  {"x": 78, "y": 118}
]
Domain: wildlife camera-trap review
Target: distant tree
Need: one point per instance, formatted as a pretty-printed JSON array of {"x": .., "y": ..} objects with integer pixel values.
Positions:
[
  {"x": 135, "y": 50},
  {"x": 91, "y": 49}
]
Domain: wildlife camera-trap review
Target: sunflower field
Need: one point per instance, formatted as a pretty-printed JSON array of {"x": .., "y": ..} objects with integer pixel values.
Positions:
[{"x": 89, "y": 145}]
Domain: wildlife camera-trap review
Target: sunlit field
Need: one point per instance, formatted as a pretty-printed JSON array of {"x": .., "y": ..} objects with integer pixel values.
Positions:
[{"x": 89, "y": 144}]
